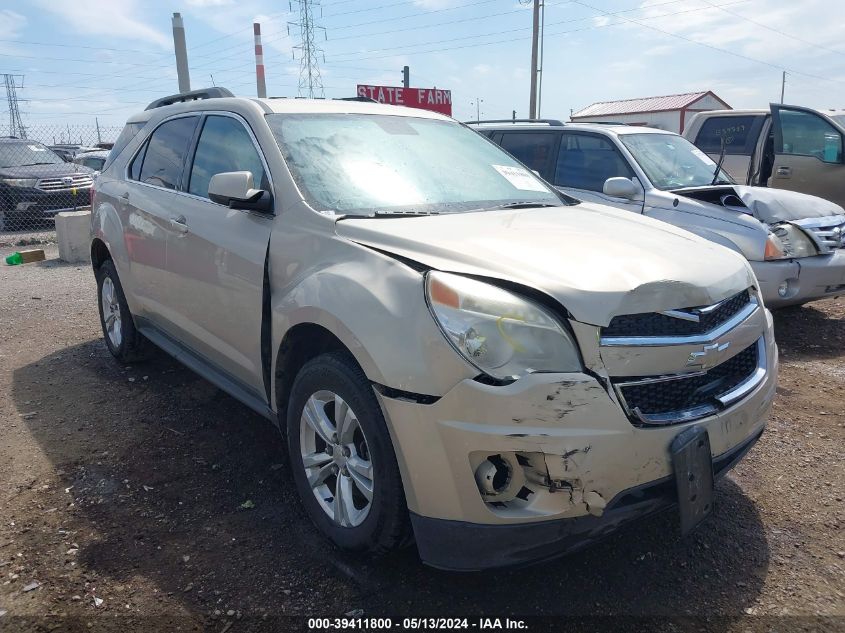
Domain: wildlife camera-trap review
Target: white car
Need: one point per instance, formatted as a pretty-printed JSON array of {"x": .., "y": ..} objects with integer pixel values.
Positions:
[{"x": 793, "y": 241}]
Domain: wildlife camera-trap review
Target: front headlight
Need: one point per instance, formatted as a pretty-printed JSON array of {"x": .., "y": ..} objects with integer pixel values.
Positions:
[
  {"x": 19, "y": 182},
  {"x": 786, "y": 241},
  {"x": 502, "y": 334}
]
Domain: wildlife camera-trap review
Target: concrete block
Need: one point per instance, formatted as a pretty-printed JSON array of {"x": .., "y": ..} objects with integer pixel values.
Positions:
[{"x": 73, "y": 232}]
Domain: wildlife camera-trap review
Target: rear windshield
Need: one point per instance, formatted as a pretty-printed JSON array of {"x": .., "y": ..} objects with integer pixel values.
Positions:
[
  {"x": 128, "y": 133},
  {"x": 359, "y": 164},
  {"x": 25, "y": 154}
]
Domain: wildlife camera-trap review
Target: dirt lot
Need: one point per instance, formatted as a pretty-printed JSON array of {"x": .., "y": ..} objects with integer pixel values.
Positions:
[{"x": 123, "y": 502}]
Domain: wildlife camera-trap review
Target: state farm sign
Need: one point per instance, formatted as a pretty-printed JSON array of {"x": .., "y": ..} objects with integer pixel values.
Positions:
[{"x": 423, "y": 98}]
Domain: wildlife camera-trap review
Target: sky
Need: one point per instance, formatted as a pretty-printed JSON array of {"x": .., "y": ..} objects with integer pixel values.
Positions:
[{"x": 83, "y": 59}]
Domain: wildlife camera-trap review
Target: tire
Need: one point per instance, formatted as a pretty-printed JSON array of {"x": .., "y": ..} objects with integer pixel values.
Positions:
[
  {"x": 129, "y": 345},
  {"x": 385, "y": 524}
]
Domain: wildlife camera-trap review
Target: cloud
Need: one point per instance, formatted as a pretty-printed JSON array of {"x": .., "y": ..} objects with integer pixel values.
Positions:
[
  {"x": 482, "y": 69},
  {"x": 105, "y": 17},
  {"x": 209, "y": 3},
  {"x": 432, "y": 5},
  {"x": 11, "y": 24}
]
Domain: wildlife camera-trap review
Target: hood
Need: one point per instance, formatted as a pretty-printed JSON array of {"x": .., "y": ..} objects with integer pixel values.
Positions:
[
  {"x": 44, "y": 171},
  {"x": 767, "y": 205},
  {"x": 780, "y": 205},
  {"x": 596, "y": 261}
]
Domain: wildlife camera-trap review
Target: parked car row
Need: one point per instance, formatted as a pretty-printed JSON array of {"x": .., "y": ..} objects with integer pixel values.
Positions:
[
  {"x": 793, "y": 241},
  {"x": 459, "y": 353},
  {"x": 36, "y": 184}
]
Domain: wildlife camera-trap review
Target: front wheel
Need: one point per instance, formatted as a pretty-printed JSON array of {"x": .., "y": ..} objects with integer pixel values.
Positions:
[{"x": 342, "y": 457}]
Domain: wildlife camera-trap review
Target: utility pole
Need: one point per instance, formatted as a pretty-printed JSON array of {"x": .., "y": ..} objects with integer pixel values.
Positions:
[
  {"x": 406, "y": 76},
  {"x": 782, "y": 86},
  {"x": 477, "y": 103},
  {"x": 535, "y": 35},
  {"x": 310, "y": 81},
  {"x": 181, "y": 51},
  {"x": 260, "y": 84},
  {"x": 513, "y": 116},
  {"x": 97, "y": 123},
  {"x": 16, "y": 127}
]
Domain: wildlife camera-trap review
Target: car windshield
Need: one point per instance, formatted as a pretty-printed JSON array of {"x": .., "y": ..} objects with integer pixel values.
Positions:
[
  {"x": 22, "y": 154},
  {"x": 672, "y": 162},
  {"x": 364, "y": 164}
]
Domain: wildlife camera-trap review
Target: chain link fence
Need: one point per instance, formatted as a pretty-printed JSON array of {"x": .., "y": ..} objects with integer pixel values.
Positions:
[{"x": 49, "y": 171}]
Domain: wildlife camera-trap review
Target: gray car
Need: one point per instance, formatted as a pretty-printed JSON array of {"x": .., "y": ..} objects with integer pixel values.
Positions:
[
  {"x": 456, "y": 353},
  {"x": 794, "y": 242}
]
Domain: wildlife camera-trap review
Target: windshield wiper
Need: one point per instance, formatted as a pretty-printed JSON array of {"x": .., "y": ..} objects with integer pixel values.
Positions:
[
  {"x": 719, "y": 164},
  {"x": 526, "y": 205},
  {"x": 32, "y": 164}
]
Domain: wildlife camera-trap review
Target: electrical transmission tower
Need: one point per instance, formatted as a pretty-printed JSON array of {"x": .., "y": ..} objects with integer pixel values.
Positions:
[
  {"x": 310, "y": 81},
  {"x": 16, "y": 127}
]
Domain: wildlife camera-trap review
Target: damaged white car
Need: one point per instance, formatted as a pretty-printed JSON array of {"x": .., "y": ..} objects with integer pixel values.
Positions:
[
  {"x": 794, "y": 241},
  {"x": 458, "y": 354}
]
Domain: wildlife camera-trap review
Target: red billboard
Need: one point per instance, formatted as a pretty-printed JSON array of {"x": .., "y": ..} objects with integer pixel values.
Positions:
[{"x": 424, "y": 98}]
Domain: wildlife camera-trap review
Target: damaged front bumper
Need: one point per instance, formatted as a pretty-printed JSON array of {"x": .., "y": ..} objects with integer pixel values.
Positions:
[
  {"x": 578, "y": 467},
  {"x": 795, "y": 281}
]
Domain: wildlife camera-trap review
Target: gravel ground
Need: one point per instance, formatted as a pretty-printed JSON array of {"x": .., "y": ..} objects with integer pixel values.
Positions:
[{"x": 143, "y": 498}]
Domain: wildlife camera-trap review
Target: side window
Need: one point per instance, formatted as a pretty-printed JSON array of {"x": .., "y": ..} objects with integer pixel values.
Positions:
[
  {"x": 806, "y": 134},
  {"x": 535, "y": 149},
  {"x": 135, "y": 166},
  {"x": 586, "y": 161},
  {"x": 224, "y": 145},
  {"x": 165, "y": 152},
  {"x": 740, "y": 133}
]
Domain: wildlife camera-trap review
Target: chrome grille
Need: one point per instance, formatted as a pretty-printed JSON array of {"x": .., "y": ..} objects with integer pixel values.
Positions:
[
  {"x": 828, "y": 232},
  {"x": 672, "y": 323},
  {"x": 65, "y": 183},
  {"x": 660, "y": 400}
]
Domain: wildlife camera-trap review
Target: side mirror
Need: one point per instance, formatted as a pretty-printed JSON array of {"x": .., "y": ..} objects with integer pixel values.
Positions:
[
  {"x": 235, "y": 189},
  {"x": 621, "y": 188}
]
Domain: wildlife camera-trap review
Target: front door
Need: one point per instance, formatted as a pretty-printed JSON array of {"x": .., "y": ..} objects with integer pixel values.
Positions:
[
  {"x": 216, "y": 255},
  {"x": 808, "y": 154}
]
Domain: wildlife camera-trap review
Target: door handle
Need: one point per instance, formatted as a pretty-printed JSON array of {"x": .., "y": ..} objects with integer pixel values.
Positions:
[
  {"x": 784, "y": 172},
  {"x": 179, "y": 223}
]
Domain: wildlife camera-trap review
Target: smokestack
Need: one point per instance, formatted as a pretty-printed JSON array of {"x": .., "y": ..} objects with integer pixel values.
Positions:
[
  {"x": 181, "y": 53},
  {"x": 261, "y": 86}
]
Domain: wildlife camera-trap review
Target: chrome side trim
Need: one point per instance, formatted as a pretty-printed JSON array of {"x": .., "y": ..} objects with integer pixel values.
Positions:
[
  {"x": 723, "y": 401},
  {"x": 665, "y": 341},
  {"x": 680, "y": 314}
]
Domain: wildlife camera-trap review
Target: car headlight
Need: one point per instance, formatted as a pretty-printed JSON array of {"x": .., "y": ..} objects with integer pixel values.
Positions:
[
  {"x": 786, "y": 241},
  {"x": 19, "y": 182},
  {"x": 501, "y": 333}
]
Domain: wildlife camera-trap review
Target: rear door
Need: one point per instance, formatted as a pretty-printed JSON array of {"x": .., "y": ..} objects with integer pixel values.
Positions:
[
  {"x": 216, "y": 255},
  {"x": 808, "y": 150},
  {"x": 150, "y": 196},
  {"x": 584, "y": 163}
]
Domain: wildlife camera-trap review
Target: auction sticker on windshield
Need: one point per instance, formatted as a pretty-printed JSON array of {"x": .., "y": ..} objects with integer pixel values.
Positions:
[{"x": 520, "y": 178}]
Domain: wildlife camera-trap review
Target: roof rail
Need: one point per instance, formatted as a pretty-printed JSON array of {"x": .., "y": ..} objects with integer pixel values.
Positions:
[
  {"x": 542, "y": 121},
  {"x": 193, "y": 95},
  {"x": 358, "y": 98}
]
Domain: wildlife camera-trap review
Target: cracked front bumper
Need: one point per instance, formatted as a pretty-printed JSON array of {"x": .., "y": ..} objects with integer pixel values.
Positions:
[
  {"x": 807, "y": 278},
  {"x": 588, "y": 443}
]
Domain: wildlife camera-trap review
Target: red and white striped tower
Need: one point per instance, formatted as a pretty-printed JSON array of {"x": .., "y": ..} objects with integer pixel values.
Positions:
[{"x": 259, "y": 62}]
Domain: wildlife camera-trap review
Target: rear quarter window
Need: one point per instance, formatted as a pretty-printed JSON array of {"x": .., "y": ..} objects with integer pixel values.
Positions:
[
  {"x": 740, "y": 132},
  {"x": 130, "y": 130}
]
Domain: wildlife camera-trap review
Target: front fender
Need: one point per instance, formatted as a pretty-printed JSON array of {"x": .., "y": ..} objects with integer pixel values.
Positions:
[{"x": 376, "y": 306}]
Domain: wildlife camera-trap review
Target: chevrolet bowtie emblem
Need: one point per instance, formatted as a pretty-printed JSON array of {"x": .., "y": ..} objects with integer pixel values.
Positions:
[{"x": 708, "y": 356}]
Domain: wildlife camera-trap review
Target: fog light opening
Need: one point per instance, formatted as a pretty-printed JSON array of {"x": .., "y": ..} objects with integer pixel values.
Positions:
[
  {"x": 783, "y": 289},
  {"x": 493, "y": 476}
]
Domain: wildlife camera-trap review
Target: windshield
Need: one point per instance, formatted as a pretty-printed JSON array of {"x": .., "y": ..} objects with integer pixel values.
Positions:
[
  {"x": 363, "y": 164},
  {"x": 672, "y": 162},
  {"x": 22, "y": 154}
]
